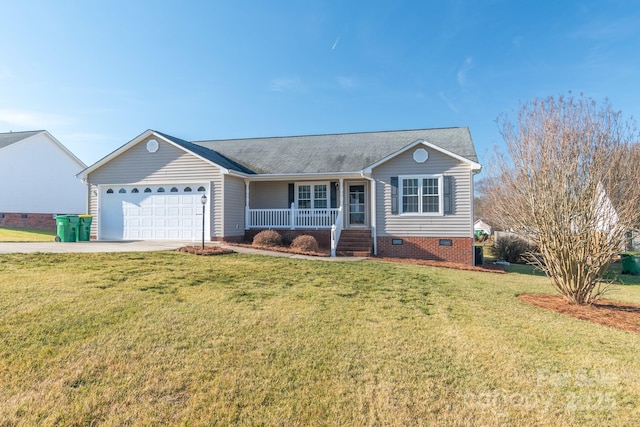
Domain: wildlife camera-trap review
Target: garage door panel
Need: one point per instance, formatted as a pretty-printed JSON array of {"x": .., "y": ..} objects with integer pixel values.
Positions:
[{"x": 146, "y": 214}]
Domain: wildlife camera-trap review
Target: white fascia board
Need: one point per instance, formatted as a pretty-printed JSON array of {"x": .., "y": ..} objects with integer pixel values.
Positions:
[
  {"x": 295, "y": 176},
  {"x": 83, "y": 174},
  {"x": 474, "y": 166},
  {"x": 135, "y": 141}
]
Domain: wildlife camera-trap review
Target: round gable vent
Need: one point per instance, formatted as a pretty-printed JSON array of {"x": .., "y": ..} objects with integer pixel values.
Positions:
[
  {"x": 152, "y": 146},
  {"x": 420, "y": 155}
]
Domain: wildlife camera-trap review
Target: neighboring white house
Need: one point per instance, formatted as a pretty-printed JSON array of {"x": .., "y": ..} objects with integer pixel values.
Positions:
[
  {"x": 482, "y": 226},
  {"x": 38, "y": 180}
]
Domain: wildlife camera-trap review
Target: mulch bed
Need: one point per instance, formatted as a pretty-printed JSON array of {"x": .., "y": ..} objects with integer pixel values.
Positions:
[
  {"x": 208, "y": 250},
  {"x": 615, "y": 314},
  {"x": 490, "y": 268},
  {"x": 285, "y": 249},
  {"x": 487, "y": 268}
]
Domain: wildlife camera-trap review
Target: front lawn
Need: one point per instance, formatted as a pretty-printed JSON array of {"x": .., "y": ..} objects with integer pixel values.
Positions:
[
  {"x": 8, "y": 234},
  {"x": 173, "y": 338}
]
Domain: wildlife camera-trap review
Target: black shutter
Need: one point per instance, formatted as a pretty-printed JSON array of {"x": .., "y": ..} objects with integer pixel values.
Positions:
[
  {"x": 394, "y": 195},
  {"x": 334, "y": 194},
  {"x": 447, "y": 197},
  {"x": 292, "y": 194}
]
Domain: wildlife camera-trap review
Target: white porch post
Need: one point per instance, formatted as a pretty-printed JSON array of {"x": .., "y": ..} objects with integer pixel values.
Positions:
[
  {"x": 341, "y": 204},
  {"x": 292, "y": 216},
  {"x": 246, "y": 205}
]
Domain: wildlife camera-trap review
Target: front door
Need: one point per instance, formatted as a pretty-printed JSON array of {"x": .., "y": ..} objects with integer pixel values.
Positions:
[{"x": 357, "y": 205}]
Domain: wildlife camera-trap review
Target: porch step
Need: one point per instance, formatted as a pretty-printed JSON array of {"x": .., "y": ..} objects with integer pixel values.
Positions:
[{"x": 355, "y": 243}]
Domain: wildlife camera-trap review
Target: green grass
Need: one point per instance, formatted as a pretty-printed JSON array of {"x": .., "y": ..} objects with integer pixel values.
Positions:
[
  {"x": 8, "y": 234},
  {"x": 171, "y": 338}
]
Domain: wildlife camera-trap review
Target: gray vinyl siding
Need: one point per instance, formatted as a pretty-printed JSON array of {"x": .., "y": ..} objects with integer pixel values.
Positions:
[
  {"x": 457, "y": 224},
  {"x": 234, "y": 200},
  {"x": 168, "y": 165},
  {"x": 269, "y": 195}
]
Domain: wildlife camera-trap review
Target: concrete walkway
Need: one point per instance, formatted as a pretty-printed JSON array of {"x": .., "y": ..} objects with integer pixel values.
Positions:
[{"x": 142, "y": 246}]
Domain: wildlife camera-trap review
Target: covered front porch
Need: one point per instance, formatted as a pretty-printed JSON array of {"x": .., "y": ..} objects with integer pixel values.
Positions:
[{"x": 331, "y": 205}]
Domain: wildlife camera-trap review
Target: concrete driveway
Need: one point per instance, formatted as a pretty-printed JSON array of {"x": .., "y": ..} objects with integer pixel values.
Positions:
[{"x": 93, "y": 246}]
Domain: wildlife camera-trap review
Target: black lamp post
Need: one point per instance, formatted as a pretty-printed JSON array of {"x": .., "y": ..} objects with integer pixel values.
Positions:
[{"x": 204, "y": 202}]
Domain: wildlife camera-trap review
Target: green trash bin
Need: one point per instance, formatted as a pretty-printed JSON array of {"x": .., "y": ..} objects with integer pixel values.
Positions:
[
  {"x": 84, "y": 228},
  {"x": 630, "y": 263},
  {"x": 67, "y": 226}
]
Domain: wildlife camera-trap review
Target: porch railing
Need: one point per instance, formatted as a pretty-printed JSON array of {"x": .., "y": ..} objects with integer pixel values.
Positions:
[{"x": 292, "y": 218}]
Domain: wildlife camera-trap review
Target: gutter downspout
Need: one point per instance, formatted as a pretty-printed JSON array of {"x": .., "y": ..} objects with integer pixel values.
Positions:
[{"x": 374, "y": 232}]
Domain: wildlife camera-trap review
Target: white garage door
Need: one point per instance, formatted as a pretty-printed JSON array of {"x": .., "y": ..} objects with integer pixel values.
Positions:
[{"x": 152, "y": 212}]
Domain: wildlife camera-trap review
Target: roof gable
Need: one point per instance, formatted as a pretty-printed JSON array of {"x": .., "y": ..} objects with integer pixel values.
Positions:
[
  {"x": 7, "y": 139},
  {"x": 207, "y": 155},
  {"x": 474, "y": 165}
]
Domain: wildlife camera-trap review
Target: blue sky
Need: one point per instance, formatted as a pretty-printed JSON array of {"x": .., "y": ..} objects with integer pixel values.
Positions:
[{"x": 97, "y": 74}]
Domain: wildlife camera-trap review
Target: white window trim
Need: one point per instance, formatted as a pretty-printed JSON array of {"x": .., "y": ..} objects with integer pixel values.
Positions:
[
  {"x": 312, "y": 184},
  {"x": 401, "y": 179}
]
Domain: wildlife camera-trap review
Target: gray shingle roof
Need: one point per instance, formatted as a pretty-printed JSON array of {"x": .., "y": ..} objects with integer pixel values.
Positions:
[
  {"x": 348, "y": 152},
  {"x": 9, "y": 138}
]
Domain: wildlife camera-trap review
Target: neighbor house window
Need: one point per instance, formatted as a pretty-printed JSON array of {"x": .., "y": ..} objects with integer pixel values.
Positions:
[
  {"x": 135, "y": 190},
  {"x": 110, "y": 191},
  {"x": 122, "y": 191},
  {"x": 421, "y": 194},
  {"x": 147, "y": 190},
  {"x": 313, "y": 196}
]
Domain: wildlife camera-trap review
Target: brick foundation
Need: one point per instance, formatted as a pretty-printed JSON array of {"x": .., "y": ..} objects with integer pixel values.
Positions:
[
  {"x": 322, "y": 236},
  {"x": 28, "y": 220},
  {"x": 460, "y": 251},
  {"x": 232, "y": 239}
]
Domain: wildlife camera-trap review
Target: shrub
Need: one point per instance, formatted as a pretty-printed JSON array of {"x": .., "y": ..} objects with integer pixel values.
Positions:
[
  {"x": 305, "y": 243},
  {"x": 268, "y": 238},
  {"x": 288, "y": 237},
  {"x": 512, "y": 248}
]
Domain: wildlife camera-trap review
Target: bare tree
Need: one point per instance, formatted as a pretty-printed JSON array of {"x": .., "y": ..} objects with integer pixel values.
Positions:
[{"x": 567, "y": 182}]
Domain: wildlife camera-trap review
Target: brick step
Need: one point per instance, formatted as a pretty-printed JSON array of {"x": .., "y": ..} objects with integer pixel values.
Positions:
[
  {"x": 354, "y": 253},
  {"x": 355, "y": 243},
  {"x": 356, "y": 233},
  {"x": 358, "y": 242},
  {"x": 354, "y": 249},
  {"x": 350, "y": 241}
]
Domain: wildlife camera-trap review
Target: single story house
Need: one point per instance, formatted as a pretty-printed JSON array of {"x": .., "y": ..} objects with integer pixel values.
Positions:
[
  {"x": 393, "y": 193},
  {"x": 38, "y": 180}
]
